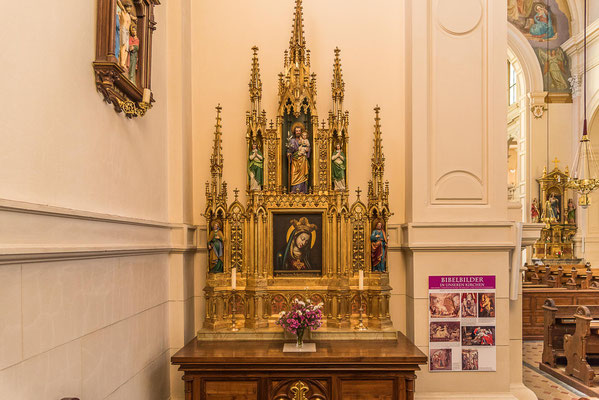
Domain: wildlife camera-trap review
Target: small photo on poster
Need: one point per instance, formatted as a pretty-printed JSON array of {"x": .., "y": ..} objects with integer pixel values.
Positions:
[
  {"x": 469, "y": 360},
  {"x": 486, "y": 305},
  {"x": 440, "y": 359},
  {"x": 444, "y": 305},
  {"x": 445, "y": 331},
  {"x": 469, "y": 302},
  {"x": 478, "y": 335}
]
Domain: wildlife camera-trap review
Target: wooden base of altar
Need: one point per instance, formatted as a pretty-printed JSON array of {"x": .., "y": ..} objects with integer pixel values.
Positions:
[{"x": 339, "y": 369}]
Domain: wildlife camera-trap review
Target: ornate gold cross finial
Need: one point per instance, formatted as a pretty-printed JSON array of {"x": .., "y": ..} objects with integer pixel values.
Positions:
[
  {"x": 236, "y": 191},
  {"x": 358, "y": 191},
  {"x": 555, "y": 162}
]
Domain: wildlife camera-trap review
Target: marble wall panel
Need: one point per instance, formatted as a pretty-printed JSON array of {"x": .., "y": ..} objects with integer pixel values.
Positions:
[
  {"x": 53, "y": 374},
  {"x": 63, "y": 301},
  {"x": 11, "y": 328}
]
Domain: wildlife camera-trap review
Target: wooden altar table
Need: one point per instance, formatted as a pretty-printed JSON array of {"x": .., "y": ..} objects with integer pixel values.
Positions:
[{"x": 259, "y": 370}]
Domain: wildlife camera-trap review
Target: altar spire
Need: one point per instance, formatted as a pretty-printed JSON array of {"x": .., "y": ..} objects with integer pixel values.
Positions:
[
  {"x": 337, "y": 85},
  {"x": 216, "y": 191},
  {"x": 255, "y": 83},
  {"x": 297, "y": 43},
  {"x": 378, "y": 191}
]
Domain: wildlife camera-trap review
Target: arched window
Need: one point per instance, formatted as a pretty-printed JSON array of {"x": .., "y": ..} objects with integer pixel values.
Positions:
[{"x": 512, "y": 91}]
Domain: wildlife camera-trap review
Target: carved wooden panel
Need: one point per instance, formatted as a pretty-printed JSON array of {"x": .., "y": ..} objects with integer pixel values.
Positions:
[
  {"x": 300, "y": 389},
  {"x": 368, "y": 389},
  {"x": 231, "y": 390}
]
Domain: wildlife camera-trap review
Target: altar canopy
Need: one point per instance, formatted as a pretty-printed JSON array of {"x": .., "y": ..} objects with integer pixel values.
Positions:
[{"x": 297, "y": 236}]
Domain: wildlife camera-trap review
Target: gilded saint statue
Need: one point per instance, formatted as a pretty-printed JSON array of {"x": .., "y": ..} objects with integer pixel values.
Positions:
[
  {"x": 571, "y": 212},
  {"x": 216, "y": 248},
  {"x": 534, "y": 211},
  {"x": 338, "y": 168},
  {"x": 298, "y": 156},
  {"x": 378, "y": 251},
  {"x": 548, "y": 213},
  {"x": 255, "y": 167}
]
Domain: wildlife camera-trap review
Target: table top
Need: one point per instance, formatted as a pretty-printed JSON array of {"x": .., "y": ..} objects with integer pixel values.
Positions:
[{"x": 401, "y": 351}]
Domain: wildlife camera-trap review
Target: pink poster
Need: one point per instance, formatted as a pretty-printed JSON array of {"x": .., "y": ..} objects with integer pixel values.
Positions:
[{"x": 462, "y": 317}]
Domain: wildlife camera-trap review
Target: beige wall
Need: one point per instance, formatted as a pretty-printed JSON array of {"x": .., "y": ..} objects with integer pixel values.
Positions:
[{"x": 87, "y": 280}]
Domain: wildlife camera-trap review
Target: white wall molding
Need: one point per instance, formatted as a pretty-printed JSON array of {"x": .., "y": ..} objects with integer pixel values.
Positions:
[
  {"x": 475, "y": 236},
  {"x": 35, "y": 233}
]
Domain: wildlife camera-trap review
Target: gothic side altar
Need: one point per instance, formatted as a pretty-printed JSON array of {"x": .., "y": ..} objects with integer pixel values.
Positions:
[{"x": 297, "y": 237}]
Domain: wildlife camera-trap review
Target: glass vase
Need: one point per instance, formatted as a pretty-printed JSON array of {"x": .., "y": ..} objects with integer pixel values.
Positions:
[{"x": 300, "y": 337}]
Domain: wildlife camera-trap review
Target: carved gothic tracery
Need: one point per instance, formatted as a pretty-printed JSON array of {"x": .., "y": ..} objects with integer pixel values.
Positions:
[{"x": 297, "y": 235}]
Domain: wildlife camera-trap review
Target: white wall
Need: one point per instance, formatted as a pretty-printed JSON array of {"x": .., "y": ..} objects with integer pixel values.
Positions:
[{"x": 84, "y": 267}]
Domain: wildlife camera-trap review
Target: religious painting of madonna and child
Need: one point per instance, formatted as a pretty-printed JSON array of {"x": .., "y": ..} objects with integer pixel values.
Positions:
[{"x": 297, "y": 244}]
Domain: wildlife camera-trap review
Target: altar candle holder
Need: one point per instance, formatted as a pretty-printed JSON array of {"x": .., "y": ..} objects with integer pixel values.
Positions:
[
  {"x": 234, "y": 327},
  {"x": 360, "y": 326}
]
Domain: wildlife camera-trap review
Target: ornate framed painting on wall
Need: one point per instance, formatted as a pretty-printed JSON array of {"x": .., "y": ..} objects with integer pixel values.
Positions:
[
  {"x": 123, "y": 62},
  {"x": 297, "y": 243}
]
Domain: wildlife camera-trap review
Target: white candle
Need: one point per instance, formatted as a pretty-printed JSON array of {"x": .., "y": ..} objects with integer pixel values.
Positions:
[
  {"x": 361, "y": 280},
  {"x": 147, "y": 95},
  {"x": 233, "y": 278}
]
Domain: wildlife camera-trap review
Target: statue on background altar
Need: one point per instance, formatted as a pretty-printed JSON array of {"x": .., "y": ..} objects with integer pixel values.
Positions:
[
  {"x": 571, "y": 212},
  {"x": 298, "y": 155},
  {"x": 255, "y": 167},
  {"x": 534, "y": 211},
  {"x": 378, "y": 251},
  {"x": 338, "y": 168},
  {"x": 555, "y": 206},
  {"x": 548, "y": 213},
  {"x": 216, "y": 248}
]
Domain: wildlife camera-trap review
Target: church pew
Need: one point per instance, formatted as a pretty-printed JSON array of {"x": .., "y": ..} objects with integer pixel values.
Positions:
[
  {"x": 533, "y": 299},
  {"x": 558, "y": 321},
  {"x": 582, "y": 343}
]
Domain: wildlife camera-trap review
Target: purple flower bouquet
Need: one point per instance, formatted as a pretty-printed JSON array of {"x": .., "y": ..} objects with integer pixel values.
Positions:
[{"x": 302, "y": 316}]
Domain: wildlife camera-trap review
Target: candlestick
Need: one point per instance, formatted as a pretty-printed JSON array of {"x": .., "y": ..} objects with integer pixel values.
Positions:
[
  {"x": 234, "y": 327},
  {"x": 360, "y": 326},
  {"x": 233, "y": 278},
  {"x": 361, "y": 280}
]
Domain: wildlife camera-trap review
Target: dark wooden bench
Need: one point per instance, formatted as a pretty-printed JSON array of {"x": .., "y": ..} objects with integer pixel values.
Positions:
[
  {"x": 582, "y": 343},
  {"x": 558, "y": 321},
  {"x": 533, "y": 299}
]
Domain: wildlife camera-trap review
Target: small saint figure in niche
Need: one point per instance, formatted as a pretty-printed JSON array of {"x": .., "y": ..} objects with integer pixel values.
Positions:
[
  {"x": 548, "y": 214},
  {"x": 534, "y": 211},
  {"x": 555, "y": 205},
  {"x": 378, "y": 240},
  {"x": 255, "y": 167},
  {"x": 298, "y": 155},
  {"x": 571, "y": 212},
  {"x": 133, "y": 53},
  {"x": 216, "y": 248},
  {"x": 125, "y": 18},
  {"x": 338, "y": 168},
  {"x": 296, "y": 254}
]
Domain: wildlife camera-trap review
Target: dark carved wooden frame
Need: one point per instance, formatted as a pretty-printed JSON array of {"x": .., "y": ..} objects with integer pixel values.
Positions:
[{"x": 111, "y": 80}]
